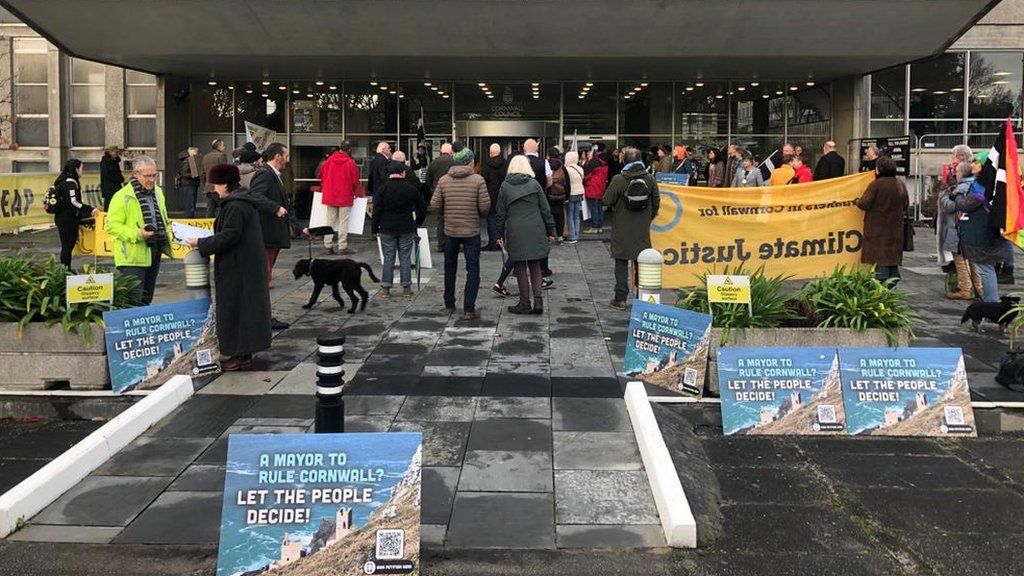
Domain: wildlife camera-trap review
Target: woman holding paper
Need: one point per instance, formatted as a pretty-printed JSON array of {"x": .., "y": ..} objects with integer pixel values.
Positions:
[
  {"x": 240, "y": 275},
  {"x": 70, "y": 208}
]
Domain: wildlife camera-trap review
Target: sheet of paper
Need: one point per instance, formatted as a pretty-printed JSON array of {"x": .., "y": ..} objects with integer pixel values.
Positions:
[
  {"x": 357, "y": 217},
  {"x": 318, "y": 212},
  {"x": 183, "y": 232},
  {"x": 586, "y": 210}
]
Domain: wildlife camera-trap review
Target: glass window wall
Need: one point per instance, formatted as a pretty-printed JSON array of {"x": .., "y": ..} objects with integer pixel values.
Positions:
[
  {"x": 88, "y": 104},
  {"x": 31, "y": 92}
]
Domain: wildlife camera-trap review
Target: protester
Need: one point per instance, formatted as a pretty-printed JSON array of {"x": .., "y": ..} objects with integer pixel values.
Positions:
[
  {"x": 716, "y": 169},
  {"x": 949, "y": 238},
  {"x": 438, "y": 168},
  {"x": 398, "y": 210},
  {"x": 681, "y": 163},
  {"x": 543, "y": 174},
  {"x": 421, "y": 160},
  {"x": 189, "y": 178},
  {"x": 980, "y": 243},
  {"x": 948, "y": 178},
  {"x": 798, "y": 150},
  {"x": 801, "y": 173},
  {"x": 212, "y": 158},
  {"x": 595, "y": 182},
  {"x": 378, "y": 174},
  {"x": 526, "y": 227},
  {"x": 733, "y": 164},
  {"x": 461, "y": 199},
  {"x": 138, "y": 223},
  {"x": 340, "y": 182},
  {"x": 558, "y": 192},
  {"x": 634, "y": 201},
  {"x": 784, "y": 173},
  {"x": 111, "y": 178},
  {"x": 870, "y": 159},
  {"x": 660, "y": 160},
  {"x": 787, "y": 149},
  {"x": 70, "y": 208},
  {"x": 749, "y": 175},
  {"x": 249, "y": 161},
  {"x": 240, "y": 279},
  {"x": 885, "y": 203},
  {"x": 493, "y": 171},
  {"x": 574, "y": 207},
  {"x": 831, "y": 164}
]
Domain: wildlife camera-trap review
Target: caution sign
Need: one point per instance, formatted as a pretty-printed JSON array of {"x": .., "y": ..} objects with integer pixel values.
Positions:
[
  {"x": 83, "y": 288},
  {"x": 730, "y": 289}
]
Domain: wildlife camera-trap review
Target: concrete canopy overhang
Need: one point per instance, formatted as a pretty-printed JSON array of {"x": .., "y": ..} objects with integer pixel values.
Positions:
[{"x": 502, "y": 39}]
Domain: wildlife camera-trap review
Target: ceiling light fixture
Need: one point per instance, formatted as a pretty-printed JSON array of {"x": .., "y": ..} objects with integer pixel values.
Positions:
[
  {"x": 589, "y": 84},
  {"x": 282, "y": 87},
  {"x": 1002, "y": 73},
  {"x": 333, "y": 87},
  {"x": 699, "y": 84},
  {"x": 373, "y": 82},
  {"x": 755, "y": 84},
  {"x": 741, "y": 88},
  {"x": 793, "y": 88},
  {"x": 689, "y": 88},
  {"x": 810, "y": 83},
  {"x": 644, "y": 84},
  {"x": 266, "y": 82},
  {"x": 319, "y": 82},
  {"x": 248, "y": 90},
  {"x": 213, "y": 82}
]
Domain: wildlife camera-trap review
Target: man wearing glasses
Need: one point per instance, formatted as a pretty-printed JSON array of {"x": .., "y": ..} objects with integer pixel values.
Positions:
[{"x": 137, "y": 221}]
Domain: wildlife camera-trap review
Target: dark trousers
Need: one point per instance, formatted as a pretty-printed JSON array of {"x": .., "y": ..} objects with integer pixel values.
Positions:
[
  {"x": 558, "y": 212},
  {"x": 188, "y": 194},
  {"x": 67, "y": 229},
  {"x": 211, "y": 204},
  {"x": 492, "y": 229},
  {"x": 544, "y": 267},
  {"x": 440, "y": 234},
  {"x": 471, "y": 249},
  {"x": 146, "y": 275},
  {"x": 883, "y": 273},
  {"x": 622, "y": 278},
  {"x": 528, "y": 276}
]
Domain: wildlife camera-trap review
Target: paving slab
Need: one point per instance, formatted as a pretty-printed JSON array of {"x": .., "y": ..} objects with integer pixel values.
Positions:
[
  {"x": 992, "y": 512},
  {"x": 372, "y": 405},
  {"x": 448, "y": 386},
  {"x": 590, "y": 415},
  {"x": 596, "y": 451},
  {"x": 206, "y": 416},
  {"x": 152, "y": 456},
  {"x": 608, "y": 536},
  {"x": 243, "y": 383},
  {"x": 432, "y": 535},
  {"x": 516, "y": 384},
  {"x": 367, "y": 423},
  {"x": 603, "y": 497},
  {"x": 878, "y": 470},
  {"x": 600, "y": 385},
  {"x": 509, "y": 521},
  {"x": 103, "y": 501},
  {"x": 513, "y": 407},
  {"x": 444, "y": 443},
  {"x": 177, "y": 518},
  {"x": 437, "y": 409},
  {"x": 199, "y": 478},
  {"x": 511, "y": 435},
  {"x": 283, "y": 406},
  {"x": 438, "y": 493},
  {"x": 506, "y": 471},
  {"x": 790, "y": 485},
  {"x": 812, "y": 530}
]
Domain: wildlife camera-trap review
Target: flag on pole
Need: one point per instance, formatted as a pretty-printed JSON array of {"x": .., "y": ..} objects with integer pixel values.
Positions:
[
  {"x": 575, "y": 143},
  {"x": 420, "y": 129},
  {"x": 1001, "y": 177},
  {"x": 767, "y": 167}
]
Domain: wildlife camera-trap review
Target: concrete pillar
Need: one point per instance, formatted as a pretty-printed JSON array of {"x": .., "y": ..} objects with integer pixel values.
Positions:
[
  {"x": 172, "y": 129},
  {"x": 849, "y": 112},
  {"x": 116, "y": 127},
  {"x": 58, "y": 68}
]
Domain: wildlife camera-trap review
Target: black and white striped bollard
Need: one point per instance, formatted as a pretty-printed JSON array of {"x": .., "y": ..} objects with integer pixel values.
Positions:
[{"x": 330, "y": 406}]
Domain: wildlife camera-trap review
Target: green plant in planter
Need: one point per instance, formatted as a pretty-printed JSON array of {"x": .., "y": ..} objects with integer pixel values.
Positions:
[
  {"x": 854, "y": 298},
  {"x": 769, "y": 303},
  {"x": 34, "y": 290}
]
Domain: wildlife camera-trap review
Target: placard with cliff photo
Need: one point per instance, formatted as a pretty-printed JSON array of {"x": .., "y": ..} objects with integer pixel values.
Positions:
[
  {"x": 667, "y": 347},
  {"x": 321, "y": 504}
]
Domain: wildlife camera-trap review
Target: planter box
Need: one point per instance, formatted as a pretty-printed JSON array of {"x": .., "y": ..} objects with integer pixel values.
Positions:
[
  {"x": 45, "y": 356},
  {"x": 791, "y": 337}
]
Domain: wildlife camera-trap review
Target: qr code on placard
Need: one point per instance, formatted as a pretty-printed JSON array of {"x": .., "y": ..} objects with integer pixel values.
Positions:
[
  {"x": 204, "y": 357},
  {"x": 954, "y": 415},
  {"x": 690, "y": 377},
  {"x": 827, "y": 414},
  {"x": 390, "y": 544}
]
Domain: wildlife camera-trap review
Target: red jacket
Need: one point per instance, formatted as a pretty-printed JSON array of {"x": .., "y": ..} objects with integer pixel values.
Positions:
[
  {"x": 803, "y": 174},
  {"x": 339, "y": 180},
  {"x": 595, "y": 180}
]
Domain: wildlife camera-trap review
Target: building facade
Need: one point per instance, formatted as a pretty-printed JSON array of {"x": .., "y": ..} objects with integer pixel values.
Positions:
[{"x": 59, "y": 106}]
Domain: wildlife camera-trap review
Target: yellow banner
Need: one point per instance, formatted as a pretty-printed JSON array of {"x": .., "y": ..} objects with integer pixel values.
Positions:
[
  {"x": 94, "y": 240},
  {"x": 21, "y": 198},
  {"x": 802, "y": 230}
]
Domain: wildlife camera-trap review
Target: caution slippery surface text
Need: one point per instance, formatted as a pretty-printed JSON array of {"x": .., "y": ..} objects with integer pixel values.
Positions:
[{"x": 803, "y": 230}]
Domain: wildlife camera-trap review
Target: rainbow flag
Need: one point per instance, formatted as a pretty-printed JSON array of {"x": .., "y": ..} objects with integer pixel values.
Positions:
[{"x": 1001, "y": 177}]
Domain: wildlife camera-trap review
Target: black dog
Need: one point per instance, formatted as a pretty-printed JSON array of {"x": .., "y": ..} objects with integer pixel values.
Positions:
[
  {"x": 332, "y": 271},
  {"x": 995, "y": 312}
]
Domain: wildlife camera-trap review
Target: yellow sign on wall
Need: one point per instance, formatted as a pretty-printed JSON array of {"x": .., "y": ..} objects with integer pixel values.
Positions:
[
  {"x": 802, "y": 230},
  {"x": 93, "y": 239},
  {"x": 90, "y": 288},
  {"x": 21, "y": 198},
  {"x": 729, "y": 289}
]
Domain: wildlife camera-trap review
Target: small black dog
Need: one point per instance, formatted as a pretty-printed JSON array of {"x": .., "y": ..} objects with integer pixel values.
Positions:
[
  {"x": 332, "y": 271},
  {"x": 995, "y": 312}
]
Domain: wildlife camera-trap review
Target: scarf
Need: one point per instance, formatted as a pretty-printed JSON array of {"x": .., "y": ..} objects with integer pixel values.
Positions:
[{"x": 150, "y": 211}]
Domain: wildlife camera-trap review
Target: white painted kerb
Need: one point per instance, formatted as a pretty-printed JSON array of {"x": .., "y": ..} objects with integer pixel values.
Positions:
[
  {"x": 40, "y": 489},
  {"x": 676, "y": 517}
]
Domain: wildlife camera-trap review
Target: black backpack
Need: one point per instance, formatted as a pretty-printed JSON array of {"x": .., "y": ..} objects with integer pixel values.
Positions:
[
  {"x": 54, "y": 201},
  {"x": 1011, "y": 370},
  {"x": 638, "y": 194}
]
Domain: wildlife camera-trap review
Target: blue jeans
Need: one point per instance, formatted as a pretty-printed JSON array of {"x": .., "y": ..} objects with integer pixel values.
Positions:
[
  {"x": 596, "y": 213},
  {"x": 574, "y": 211},
  {"x": 1008, "y": 249},
  {"x": 471, "y": 249},
  {"x": 989, "y": 281},
  {"x": 884, "y": 273},
  {"x": 402, "y": 244}
]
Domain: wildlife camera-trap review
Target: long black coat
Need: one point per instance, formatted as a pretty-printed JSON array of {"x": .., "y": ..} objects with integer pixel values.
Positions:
[
  {"x": 378, "y": 173},
  {"x": 111, "y": 178},
  {"x": 240, "y": 276},
  {"x": 269, "y": 195},
  {"x": 830, "y": 165}
]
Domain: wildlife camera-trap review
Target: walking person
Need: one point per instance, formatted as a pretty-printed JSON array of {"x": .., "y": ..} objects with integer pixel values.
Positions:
[
  {"x": 190, "y": 177},
  {"x": 111, "y": 178},
  {"x": 70, "y": 208},
  {"x": 543, "y": 174},
  {"x": 885, "y": 203},
  {"x": 949, "y": 237},
  {"x": 493, "y": 171},
  {"x": 980, "y": 243},
  {"x": 526, "y": 227},
  {"x": 461, "y": 199},
  {"x": 558, "y": 192},
  {"x": 634, "y": 201},
  {"x": 138, "y": 223},
  {"x": 340, "y": 184},
  {"x": 595, "y": 182},
  {"x": 574, "y": 207},
  {"x": 214, "y": 157},
  {"x": 398, "y": 210},
  {"x": 240, "y": 278}
]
